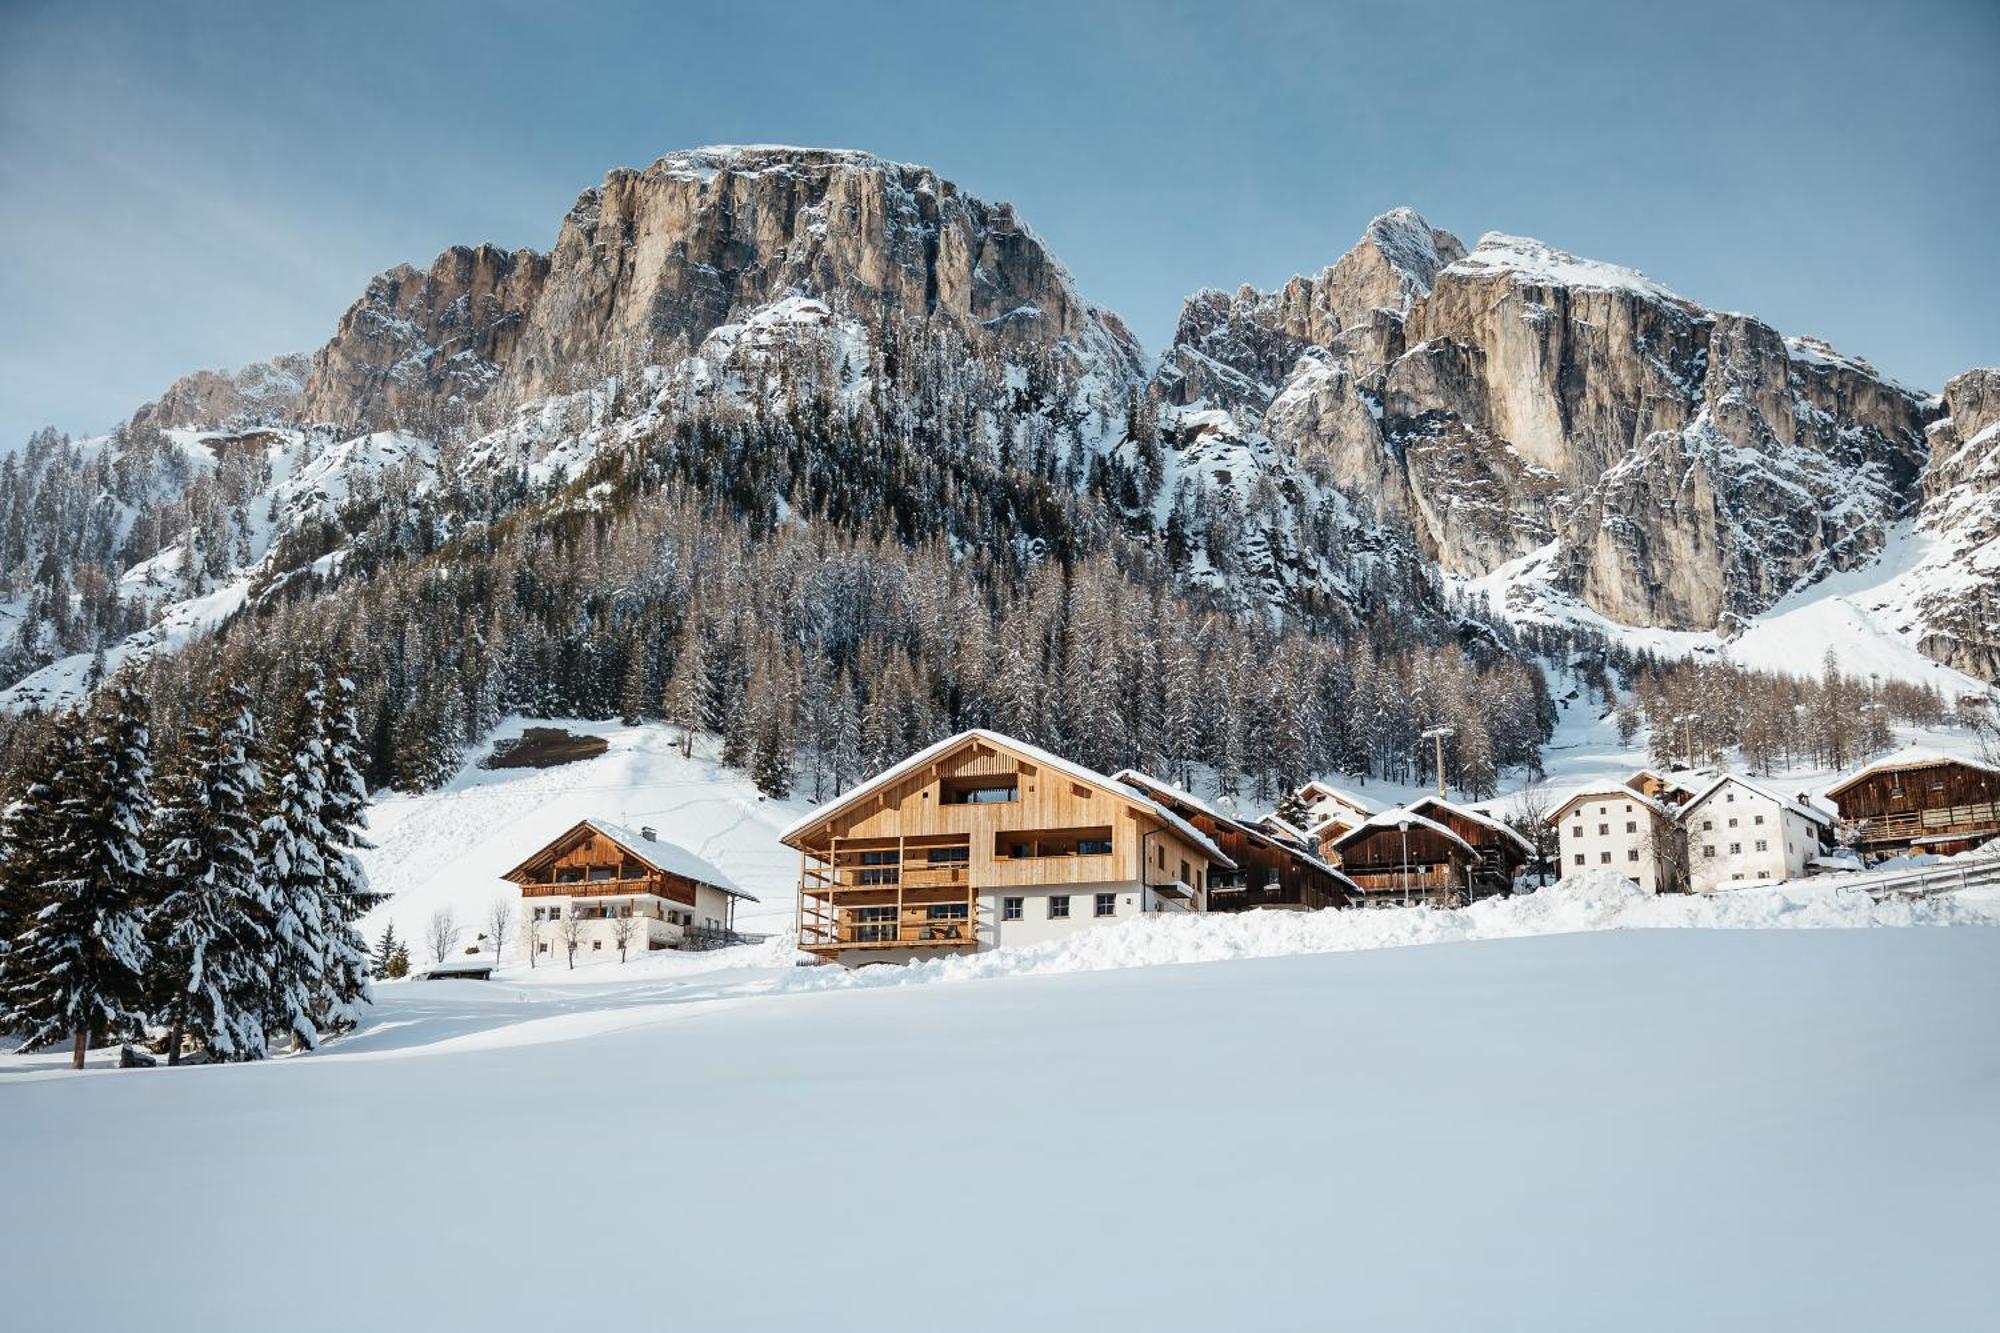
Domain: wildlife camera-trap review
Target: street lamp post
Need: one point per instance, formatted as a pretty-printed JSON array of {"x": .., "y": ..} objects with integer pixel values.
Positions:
[
  {"x": 1439, "y": 735},
  {"x": 1404, "y": 826}
]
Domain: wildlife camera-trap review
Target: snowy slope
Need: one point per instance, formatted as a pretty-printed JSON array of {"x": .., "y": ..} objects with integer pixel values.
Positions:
[
  {"x": 1638, "y": 1130},
  {"x": 448, "y": 848}
]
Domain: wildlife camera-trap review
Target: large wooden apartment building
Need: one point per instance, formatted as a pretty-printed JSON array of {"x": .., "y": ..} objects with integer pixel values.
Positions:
[{"x": 983, "y": 841}]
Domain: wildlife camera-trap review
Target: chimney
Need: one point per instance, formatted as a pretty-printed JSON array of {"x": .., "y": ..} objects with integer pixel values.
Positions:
[{"x": 649, "y": 833}]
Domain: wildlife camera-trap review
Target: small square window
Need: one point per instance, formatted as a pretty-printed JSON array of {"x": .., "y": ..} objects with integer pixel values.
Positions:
[
  {"x": 1758, "y": 820},
  {"x": 1631, "y": 853},
  {"x": 1603, "y": 830},
  {"x": 1707, "y": 825},
  {"x": 1709, "y": 852},
  {"x": 596, "y": 944},
  {"x": 1576, "y": 832},
  {"x": 1106, "y": 904},
  {"x": 1732, "y": 821},
  {"x": 1579, "y": 858},
  {"x": 1010, "y": 909},
  {"x": 1763, "y": 845},
  {"x": 1604, "y": 858},
  {"x": 1631, "y": 826},
  {"x": 1059, "y": 907},
  {"x": 1736, "y": 849}
]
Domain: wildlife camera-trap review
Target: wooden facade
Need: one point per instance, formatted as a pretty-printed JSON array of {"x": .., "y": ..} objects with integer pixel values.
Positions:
[
  {"x": 599, "y": 872},
  {"x": 584, "y": 862},
  {"x": 1269, "y": 871},
  {"x": 1425, "y": 863},
  {"x": 1500, "y": 851},
  {"x": 921, "y": 858},
  {"x": 1932, "y": 803}
]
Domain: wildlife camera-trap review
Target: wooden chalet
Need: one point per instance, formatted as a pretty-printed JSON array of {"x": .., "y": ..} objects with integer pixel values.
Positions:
[
  {"x": 1271, "y": 870},
  {"x": 1431, "y": 851},
  {"x": 1672, "y": 790},
  {"x": 1399, "y": 858},
  {"x": 598, "y": 872},
  {"x": 983, "y": 841},
  {"x": 1920, "y": 802}
]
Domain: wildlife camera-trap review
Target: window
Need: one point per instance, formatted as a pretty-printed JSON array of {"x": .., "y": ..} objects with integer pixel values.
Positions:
[
  {"x": 1059, "y": 907},
  {"x": 1187, "y": 875},
  {"x": 1603, "y": 830},
  {"x": 1763, "y": 845},
  {"x": 544, "y": 947},
  {"x": 1576, "y": 832},
  {"x": 946, "y": 912},
  {"x": 1010, "y": 909},
  {"x": 1604, "y": 858},
  {"x": 598, "y": 874},
  {"x": 1707, "y": 825},
  {"x": 886, "y": 857},
  {"x": 1733, "y": 821},
  {"x": 1758, "y": 820},
  {"x": 874, "y": 925},
  {"x": 1730, "y": 797},
  {"x": 978, "y": 791},
  {"x": 1106, "y": 904},
  {"x": 1631, "y": 826},
  {"x": 1709, "y": 852},
  {"x": 1579, "y": 858},
  {"x": 1093, "y": 847},
  {"x": 596, "y": 944},
  {"x": 1736, "y": 877},
  {"x": 1736, "y": 849},
  {"x": 946, "y": 855},
  {"x": 1631, "y": 853},
  {"x": 555, "y": 914},
  {"x": 569, "y": 875}
]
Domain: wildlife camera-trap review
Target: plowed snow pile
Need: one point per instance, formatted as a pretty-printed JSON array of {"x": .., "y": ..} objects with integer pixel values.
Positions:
[{"x": 1586, "y": 902}]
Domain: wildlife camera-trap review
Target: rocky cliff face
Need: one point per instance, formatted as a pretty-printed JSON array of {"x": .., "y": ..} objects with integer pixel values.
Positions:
[
  {"x": 1956, "y": 587},
  {"x": 678, "y": 249},
  {"x": 1666, "y": 464},
  {"x": 266, "y": 393}
]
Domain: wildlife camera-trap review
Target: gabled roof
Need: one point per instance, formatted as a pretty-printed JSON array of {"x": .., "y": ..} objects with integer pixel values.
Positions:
[
  {"x": 1439, "y": 803},
  {"x": 1132, "y": 777},
  {"x": 1611, "y": 791},
  {"x": 1784, "y": 802},
  {"x": 1284, "y": 828},
  {"x": 666, "y": 857},
  {"x": 1034, "y": 755},
  {"x": 1325, "y": 791},
  {"x": 1903, "y": 761},
  {"x": 1393, "y": 818}
]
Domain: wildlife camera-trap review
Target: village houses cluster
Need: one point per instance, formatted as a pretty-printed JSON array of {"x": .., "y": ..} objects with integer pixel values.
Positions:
[{"x": 982, "y": 841}]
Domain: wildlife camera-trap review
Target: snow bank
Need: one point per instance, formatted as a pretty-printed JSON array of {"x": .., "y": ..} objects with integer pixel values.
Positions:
[{"x": 1589, "y": 902}]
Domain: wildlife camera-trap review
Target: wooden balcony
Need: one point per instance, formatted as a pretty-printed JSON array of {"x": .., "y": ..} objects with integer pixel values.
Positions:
[
  {"x": 595, "y": 888},
  {"x": 1972, "y": 820}
]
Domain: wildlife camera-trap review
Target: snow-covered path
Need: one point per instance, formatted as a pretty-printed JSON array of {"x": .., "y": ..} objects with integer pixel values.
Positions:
[{"x": 1632, "y": 1129}]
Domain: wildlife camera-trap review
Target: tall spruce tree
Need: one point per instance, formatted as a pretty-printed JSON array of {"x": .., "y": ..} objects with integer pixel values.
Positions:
[
  {"x": 343, "y": 814},
  {"x": 295, "y": 873},
  {"x": 211, "y": 925},
  {"x": 78, "y": 967},
  {"x": 27, "y": 840}
]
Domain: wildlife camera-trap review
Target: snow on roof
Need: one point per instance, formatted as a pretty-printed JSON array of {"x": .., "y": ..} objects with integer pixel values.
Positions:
[
  {"x": 1326, "y": 792},
  {"x": 1475, "y": 816},
  {"x": 1284, "y": 827},
  {"x": 668, "y": 857},
  {"x": 1394, "y": 817},
  {"x": 1034, "y": 754},
  {"x": 1132, "y": 777},
  {"x": 1903, "y": 761},
  {"x": 1535, "y": 261},
  {"x": 1785, "y": 802},
  {"x": 1609, "y": 791}
]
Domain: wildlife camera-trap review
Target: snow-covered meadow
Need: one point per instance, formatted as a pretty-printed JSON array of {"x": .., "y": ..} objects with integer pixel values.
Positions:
[{"x": 1631, "y": 1129}]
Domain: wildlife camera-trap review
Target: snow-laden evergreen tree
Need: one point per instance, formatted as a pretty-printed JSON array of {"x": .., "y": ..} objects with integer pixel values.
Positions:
[
  {"x": 78, "y": 966},
  {"x": 343, "y": 815},
  {"x": 296, "y": 876},
  {"x": 28, "y": 831},
  {"x": 385, "y": 949},
  {"x": 211, "y": 923}
]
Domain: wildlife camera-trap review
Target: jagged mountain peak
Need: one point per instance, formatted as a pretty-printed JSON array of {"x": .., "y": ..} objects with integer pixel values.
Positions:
[{"x": 1537, "y": 263}]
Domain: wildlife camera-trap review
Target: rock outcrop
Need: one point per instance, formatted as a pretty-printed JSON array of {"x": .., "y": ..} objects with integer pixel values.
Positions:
[
  {"x": 1956, "y": 588},
  {"x": 1676, "y": 466},
  {"x": 265, "y": 393},
  {"x": 677, "y": 250}
]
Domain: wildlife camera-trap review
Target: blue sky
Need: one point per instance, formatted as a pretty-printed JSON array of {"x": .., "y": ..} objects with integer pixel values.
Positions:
[{"x": 187, "y": 185}]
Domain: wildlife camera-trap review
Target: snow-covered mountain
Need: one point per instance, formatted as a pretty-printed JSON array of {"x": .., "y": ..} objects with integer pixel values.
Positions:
[{"x": 1418, "y": 423}]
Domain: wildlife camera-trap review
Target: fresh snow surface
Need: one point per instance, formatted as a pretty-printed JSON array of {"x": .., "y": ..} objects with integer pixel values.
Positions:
[
  {"x": 1660, "y": 1129},
  {"x": 1536, "y": 262}
]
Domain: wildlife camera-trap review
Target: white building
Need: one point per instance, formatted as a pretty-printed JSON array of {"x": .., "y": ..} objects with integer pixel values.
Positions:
[
  {"x": 1740, "y": 833},
  {"x": 1331, "y": 813},
  {"x": 1616, "y": 827}
]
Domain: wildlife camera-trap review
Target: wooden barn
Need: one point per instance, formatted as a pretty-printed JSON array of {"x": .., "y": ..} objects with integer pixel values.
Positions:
[
  {"x": 1920, "y": 802},
  {"x": 1400, "y": 858},
  {"x": 1501, "y": 851},
  {"x": 1271, "y": 871}
]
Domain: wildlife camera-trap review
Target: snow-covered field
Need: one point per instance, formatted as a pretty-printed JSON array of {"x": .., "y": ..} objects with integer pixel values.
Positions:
[{"x": 1641, "y": 1129}]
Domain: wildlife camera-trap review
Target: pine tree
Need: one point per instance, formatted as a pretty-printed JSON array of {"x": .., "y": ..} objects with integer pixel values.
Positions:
[
  {"x": 27, "y": 841},
  {"x": 684, "y": 705},
  {"x": 296, "y": 876},
  {"x": 210, "y": 927},
  {"x": 79, "y": 965},
  {"x": 343, "y": 815},
  {"x": 385, "y": 949}
]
